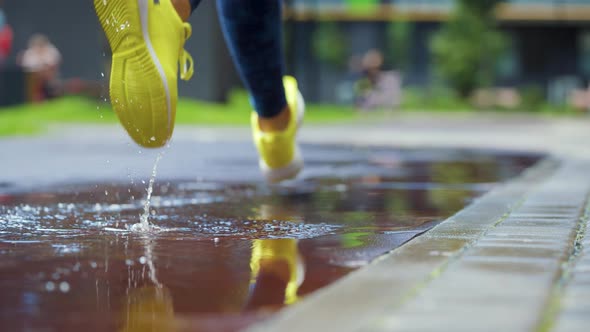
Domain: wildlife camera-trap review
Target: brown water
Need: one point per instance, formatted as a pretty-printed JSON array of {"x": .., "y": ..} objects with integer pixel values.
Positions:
[{"x": 228, "y": 253}]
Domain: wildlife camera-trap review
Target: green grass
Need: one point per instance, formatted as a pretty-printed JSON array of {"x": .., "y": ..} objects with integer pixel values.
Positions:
[
  {"x": 32, "y": 119},
  {"x": 440, "y": 99},
  {"x": 236, "y": 112}
]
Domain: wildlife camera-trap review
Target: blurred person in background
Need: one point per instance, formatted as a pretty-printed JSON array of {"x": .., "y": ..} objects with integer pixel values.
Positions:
[
  {"x": 377, "y": 88},
  {"x": 369, "y": 66},
  {"x": 6, "y": 37},
  {"x": 147, "y": 39},
  {"x": 42, "y": 59}
]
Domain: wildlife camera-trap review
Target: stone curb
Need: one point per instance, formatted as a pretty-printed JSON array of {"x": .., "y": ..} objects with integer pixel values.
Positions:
[
  {"x": 434, "y": 280},
  {"x": 505, "y": 280},
  {"x": 570, "y": 309}
]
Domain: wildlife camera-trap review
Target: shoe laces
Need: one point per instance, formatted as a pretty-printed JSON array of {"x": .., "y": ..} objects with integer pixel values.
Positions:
[{"x": 185, "y": 60}]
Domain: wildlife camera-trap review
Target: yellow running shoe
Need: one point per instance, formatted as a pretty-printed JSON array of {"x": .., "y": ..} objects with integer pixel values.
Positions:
[
  {"x": 147, "y": 39},
  {"x": 280, "y": 157}
]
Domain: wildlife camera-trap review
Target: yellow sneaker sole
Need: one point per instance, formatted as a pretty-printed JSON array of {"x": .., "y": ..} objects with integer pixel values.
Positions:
[{"x": 138, "y": 86}]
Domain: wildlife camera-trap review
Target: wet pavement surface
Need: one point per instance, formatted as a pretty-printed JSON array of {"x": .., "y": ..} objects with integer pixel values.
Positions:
[{"x": 229, "y": 250}]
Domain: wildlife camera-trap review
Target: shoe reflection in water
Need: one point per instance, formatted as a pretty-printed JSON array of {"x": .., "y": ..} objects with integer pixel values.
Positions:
[
  {"x": 277, "y": 268},
  {"x": 277, "y": 272},
  {"x": 149, "y": 309}
]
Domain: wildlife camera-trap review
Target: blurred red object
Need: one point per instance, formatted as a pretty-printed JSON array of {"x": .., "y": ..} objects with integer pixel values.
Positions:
[
  {"x": 580, "y": 99},
  {"x": 6, "y": 37}
]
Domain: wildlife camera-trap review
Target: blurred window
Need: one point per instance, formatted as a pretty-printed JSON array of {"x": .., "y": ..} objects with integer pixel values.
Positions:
[
  {"x": 584, "y": 47},
  {"x": 508, "y": 65}
]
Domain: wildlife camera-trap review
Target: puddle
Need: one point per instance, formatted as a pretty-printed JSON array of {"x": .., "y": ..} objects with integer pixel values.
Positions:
[{"x": 225, "y": 253}]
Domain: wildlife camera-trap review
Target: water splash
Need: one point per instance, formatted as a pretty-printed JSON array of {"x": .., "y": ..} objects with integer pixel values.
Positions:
[
  {"x": 144, "y": 224},
  {"x": 149, "y": 248}
]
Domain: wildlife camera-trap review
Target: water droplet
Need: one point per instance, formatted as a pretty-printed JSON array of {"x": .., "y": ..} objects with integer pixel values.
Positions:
[
  {"x": 102, "y": 74},
  {"x": 50, "y": 286},
  {"x": 93, "y": 265},
  {"x": 142, "y": 260},
  {"x": 153, "y": 139},
  {"x": 64, "y": 287},
  {"x": 128, "y": 262}
]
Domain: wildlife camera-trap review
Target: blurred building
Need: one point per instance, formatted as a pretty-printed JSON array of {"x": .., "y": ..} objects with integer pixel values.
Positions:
[
  {"x": 74, "y": 29},
  {"x": 550, "y": 40}
]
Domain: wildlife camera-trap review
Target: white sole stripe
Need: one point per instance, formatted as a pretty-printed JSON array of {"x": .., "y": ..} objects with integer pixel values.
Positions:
[{"x": 143, "y": 13}]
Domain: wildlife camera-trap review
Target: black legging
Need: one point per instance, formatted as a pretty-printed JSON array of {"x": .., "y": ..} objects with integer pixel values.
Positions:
[{"x": 253, "y": 32}]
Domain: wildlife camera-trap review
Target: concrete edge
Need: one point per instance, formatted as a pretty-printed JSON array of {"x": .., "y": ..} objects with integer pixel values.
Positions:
[
  {"x": 569, "y": 303},
  {"x": 358, "y": 298}
]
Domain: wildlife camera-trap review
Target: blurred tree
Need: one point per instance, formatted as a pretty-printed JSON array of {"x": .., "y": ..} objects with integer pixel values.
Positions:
[
  {"x": 467, "y": 47},
  {"x": 329, "y": 44},
  {"x": 533, "y": 98},
  {"x": 399, "y": 35},
  {"x": 362, "y": 6},
  {"x": 484, "y": 8}
]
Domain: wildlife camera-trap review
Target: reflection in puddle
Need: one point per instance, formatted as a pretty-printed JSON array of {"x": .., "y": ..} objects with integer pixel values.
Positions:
[
  {"x": 227, "y": 254},
  {"x": 277, "y": 270},
  {"x": 276, "y": 262},
  {"x": 149, "y": 308}
]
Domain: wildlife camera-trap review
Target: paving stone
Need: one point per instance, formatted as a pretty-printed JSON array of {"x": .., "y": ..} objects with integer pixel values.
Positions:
[
  {"x": 444, "y": 269},
  {"x": 493, "y": 266}
]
